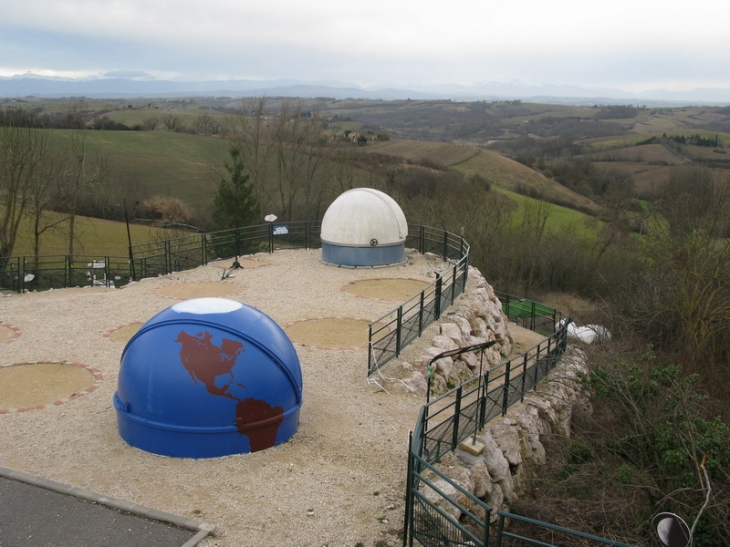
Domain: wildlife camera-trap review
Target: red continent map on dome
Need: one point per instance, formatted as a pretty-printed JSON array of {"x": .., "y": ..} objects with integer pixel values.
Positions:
[{"x": 205, "y": 362}]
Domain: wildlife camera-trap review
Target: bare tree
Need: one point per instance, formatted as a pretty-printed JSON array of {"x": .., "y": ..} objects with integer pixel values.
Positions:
[
  {"x": 302, "y": 148},
  {"x": 42, "y": 195},
  {"x": 205, "y": 124},
  {"x": 285, "y": 154},
  {"x": 23, "y": 151},
  {"x": 82, "y": 174},
  {"x": 250, "y": 129},
  {"x": 172, "y": 122},
  {"x": 149, "y": 124}
]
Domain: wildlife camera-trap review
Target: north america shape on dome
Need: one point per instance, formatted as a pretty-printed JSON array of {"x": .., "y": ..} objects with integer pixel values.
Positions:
[
  {"x": 208, "y": 377},
  {"x": 363, "y": 227}
]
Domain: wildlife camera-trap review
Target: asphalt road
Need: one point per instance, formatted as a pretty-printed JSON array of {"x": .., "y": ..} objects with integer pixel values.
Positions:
[{"x": 36, "y": 516}]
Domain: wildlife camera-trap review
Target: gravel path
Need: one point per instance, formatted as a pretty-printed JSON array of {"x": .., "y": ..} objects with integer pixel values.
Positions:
[{"x": 339, "y": 481}]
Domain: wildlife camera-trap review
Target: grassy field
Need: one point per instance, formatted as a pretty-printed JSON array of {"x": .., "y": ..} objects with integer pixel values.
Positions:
[
  {"x": 494, "y": 167},
  {"x": 94, "y": 236},
  {"x": 163, "y": 162},
  {"x": 560, "y": 219},
  {"x": 445, "y": 154}
]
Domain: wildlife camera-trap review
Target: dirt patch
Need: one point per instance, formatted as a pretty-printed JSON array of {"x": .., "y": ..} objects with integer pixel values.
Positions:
[
  {"x": 523, "y": 339},
  {"x": 330, "y": 333},
  {"x": 125, "y": 333},
  {"x": 34, "y": 384},
  {"x": 386, "y": 288},
  {"x": 7, "y": 333},
  {"x": 202, "y": 289}
]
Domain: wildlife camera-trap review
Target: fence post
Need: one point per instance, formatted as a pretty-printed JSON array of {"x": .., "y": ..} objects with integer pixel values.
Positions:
[
  {"x": 420, "y": 313},
  {"x": 500, "y": 531},
  {"x": 532, "y": 315},
  {"x": 67, "y": 271},
  {"x": 466, "y": 273},
  {"x": 445, "y": 253},
  {"x": 421, "y": 239},
  {"x": 21, "y": 276},
  {"x": 398, "y": 329},
  {"x": 457, "y": 416},
  {"x": 524, "y": 376},
  {"x": 505, "y": 397},
  {"x": 204, "y": 249},
  {"x": 551, "y": 360},
  {"x": 437, "y": 307},
  {"x": 483, "y": 402},
  {"x": 537, "y": 365},
  {"x": 453, "y": 285},
  {"x": 168, "y": 257},
  {"x": 271, "y": 237},
  {"x": 409, "y": 499},
  {"x": 370, "y": 347}
]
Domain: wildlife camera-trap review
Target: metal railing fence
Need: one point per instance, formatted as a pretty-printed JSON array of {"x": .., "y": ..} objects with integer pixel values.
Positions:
[
  {"x": 529, "y": 314},
  {"x": 29, "y": 273},
  {"x": 186, "y": 252},
  {"x": 433, "y": 517},
  {"x": 21, "y": 273},
  {"x": 390, "y": 334}
]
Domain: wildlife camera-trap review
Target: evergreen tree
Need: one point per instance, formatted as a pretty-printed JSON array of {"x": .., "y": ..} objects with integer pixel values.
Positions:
[{"x": 236, "y": 205}]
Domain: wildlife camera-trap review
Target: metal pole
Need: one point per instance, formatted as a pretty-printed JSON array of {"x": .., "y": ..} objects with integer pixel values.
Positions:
[
  {"x": 479, "y": 399},
  {"x": 129, "y": 242}
]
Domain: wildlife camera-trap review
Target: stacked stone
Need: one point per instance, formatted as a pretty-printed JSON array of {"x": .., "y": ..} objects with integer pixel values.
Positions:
[
  {"x": 474, "y": 318},
  {"x": 512, "y": 449}
]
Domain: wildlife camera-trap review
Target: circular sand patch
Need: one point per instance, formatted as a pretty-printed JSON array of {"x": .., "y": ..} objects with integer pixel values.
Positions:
[
  {"x": 8, "y": 333},
  {"x": 203, "y": 289},
  {"x": 330, "y": 333},
  {"x": 124, "y": 333},
  {"x": 387, "y": 288},
  {"x": 30, "y": 386}
]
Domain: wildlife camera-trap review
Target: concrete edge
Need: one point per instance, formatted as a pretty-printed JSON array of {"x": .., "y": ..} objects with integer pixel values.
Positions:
[{"x": 202, "y": 528}]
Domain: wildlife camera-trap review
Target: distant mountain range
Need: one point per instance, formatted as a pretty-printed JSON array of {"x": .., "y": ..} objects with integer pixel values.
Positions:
[{"x": 142, "y": 85}]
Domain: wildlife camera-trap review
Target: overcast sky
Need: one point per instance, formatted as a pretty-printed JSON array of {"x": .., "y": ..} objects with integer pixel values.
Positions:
[{"x": 632, "y": 45}]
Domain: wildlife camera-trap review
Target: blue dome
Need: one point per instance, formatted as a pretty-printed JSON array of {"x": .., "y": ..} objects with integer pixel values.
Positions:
[{"x": 208, "y": 377}]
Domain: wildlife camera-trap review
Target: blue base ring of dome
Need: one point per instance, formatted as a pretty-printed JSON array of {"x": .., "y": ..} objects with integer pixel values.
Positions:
[
  {"x": 378, "y": 255},
  {"x": 178, "y": 441}
]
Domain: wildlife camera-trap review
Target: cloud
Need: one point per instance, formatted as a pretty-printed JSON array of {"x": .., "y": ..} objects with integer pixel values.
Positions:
[{"x": 379, "y": 41}]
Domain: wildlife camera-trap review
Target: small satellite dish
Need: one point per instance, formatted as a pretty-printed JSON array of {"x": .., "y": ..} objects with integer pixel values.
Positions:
[
  {"x": 671, "y": 529},
  {"x": 270, "y": 218},
  {"x": 28, "y": 278}
]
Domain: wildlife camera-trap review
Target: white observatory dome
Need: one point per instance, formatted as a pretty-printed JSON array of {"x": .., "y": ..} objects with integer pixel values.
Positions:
[{"x": 364, "y": 219}]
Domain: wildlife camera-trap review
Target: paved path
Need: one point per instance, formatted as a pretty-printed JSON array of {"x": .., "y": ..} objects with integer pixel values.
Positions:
[{"x": 40, "y": 513}]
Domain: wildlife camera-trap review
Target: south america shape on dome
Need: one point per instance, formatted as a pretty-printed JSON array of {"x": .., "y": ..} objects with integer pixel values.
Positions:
[{"x": 208, "y": 377}]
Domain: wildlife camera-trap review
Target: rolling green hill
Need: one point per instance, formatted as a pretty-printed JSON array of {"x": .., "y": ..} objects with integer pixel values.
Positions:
[
  {"x": 499, "y": 170},
  {"x": 163, "y": 162}
]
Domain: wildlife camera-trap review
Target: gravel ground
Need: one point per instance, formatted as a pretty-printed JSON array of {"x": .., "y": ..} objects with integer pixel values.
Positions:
[{"x": 339, "y": 481}]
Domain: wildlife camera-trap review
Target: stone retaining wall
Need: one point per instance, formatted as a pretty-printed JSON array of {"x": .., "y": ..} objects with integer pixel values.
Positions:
[{"x": 511, "y": 448}]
